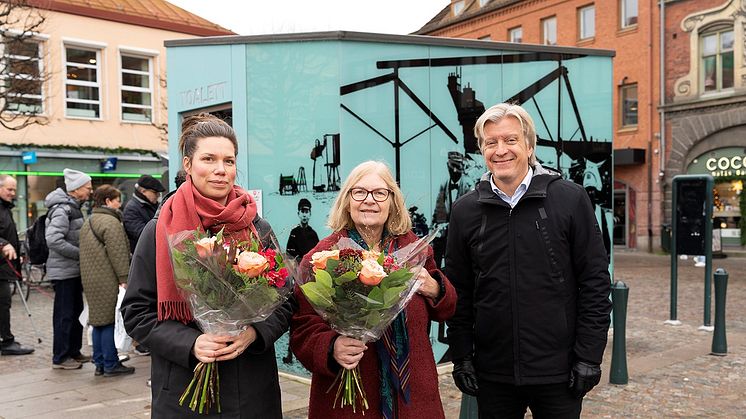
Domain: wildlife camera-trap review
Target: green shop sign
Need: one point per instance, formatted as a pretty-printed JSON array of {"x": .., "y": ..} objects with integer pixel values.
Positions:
[{"x": 723, "y": 162}]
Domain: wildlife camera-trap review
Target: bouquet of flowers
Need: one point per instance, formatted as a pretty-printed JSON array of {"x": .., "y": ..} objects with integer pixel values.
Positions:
[
  {"x": 229, "y": 285},
  {"x": 359, "y": 293}
]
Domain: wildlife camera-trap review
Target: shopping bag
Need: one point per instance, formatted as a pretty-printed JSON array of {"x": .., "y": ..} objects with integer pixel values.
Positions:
[{"x": 121, "y": 340}]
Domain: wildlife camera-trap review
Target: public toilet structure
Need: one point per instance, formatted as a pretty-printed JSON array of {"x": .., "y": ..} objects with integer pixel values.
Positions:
[{"x": 307, "y": 108}]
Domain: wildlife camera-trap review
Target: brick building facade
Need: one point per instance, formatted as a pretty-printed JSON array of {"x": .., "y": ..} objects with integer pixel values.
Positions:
[{"x": 698, "y": 118}]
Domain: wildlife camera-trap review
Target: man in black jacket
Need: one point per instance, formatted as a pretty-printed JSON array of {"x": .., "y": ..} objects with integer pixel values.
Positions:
[
  {"x": 526, "y": 256},
  {"x": 10, "y": 266},
  {"x": 141, "y": 207}
]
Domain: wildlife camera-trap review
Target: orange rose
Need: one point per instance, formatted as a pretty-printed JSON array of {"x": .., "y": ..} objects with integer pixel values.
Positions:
[
  {"x": 251, "y": 264},
  {"x": 319, "y": 259},
  {"x": 205, "y": 246},
  {"x": 371, "y": 254},
  {"x": 372, "y": 273}
]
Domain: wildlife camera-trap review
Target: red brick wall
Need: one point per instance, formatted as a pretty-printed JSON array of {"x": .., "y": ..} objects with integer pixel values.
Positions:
[
  {"x": 636, "y": 59},
  {"x": 677, "y": 41}
]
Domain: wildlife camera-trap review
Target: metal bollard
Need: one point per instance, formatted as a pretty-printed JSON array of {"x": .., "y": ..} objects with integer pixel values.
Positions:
[
  {"x": 619, "y": 295},
  {"x": 719, "y": 343}
]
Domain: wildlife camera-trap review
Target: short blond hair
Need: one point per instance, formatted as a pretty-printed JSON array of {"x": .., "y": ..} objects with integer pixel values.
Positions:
[
  {"x": 502, "y": 110},
  {"x": 398, "y": 221}
]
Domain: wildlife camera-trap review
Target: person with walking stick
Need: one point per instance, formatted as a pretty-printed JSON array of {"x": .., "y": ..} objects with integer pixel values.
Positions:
[{"x": 10, "y": 267}]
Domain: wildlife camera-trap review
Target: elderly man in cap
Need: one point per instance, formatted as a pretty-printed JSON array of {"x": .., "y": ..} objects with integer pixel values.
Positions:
[
  {"x": 64, "y": 220},
  {"x": 452, "y": 189},
  {"x": 141, "y": 207},
  {"x": 10, "y": 266}
]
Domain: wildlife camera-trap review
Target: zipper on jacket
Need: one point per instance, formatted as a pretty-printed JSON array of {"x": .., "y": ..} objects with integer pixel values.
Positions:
[{"x": 514, "y": 301}]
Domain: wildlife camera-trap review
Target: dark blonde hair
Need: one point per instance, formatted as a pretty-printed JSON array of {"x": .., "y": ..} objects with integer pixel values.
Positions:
[
  {"x": 398, "y": 221},
  {"x": 104, "y": 192},
  {"x": 203, "y": 125},
  {"x": 504, "y": 110}
]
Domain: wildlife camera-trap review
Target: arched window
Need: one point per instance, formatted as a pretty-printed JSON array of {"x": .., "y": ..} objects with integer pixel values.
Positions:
[{"x": 716, "y": 55}]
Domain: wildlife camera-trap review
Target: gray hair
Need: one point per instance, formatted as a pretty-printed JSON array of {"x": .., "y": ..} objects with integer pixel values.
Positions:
[
  {"x": 3, "y": 178},
  {"x": 503, "y": 110}
]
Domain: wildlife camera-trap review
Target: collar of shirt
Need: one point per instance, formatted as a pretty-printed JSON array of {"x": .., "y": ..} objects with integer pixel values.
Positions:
[{"x": 519, "y": 192}]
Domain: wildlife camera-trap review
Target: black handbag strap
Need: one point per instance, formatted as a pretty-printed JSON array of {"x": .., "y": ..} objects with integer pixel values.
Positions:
[{"x": 93, "y": 230}]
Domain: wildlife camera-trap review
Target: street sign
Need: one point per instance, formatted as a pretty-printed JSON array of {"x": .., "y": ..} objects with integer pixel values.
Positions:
[{"x": 28, "y": 157}]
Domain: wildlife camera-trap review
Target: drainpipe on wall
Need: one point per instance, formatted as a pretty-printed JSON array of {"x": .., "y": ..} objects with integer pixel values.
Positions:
[
  {"x": 662, "y": 66},
  {"x": 650, "y": 132}
]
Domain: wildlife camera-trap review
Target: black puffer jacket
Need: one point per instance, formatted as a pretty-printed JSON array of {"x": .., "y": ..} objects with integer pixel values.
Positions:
[
  {"x": 136, "y": 214},
  {"x": 532, "y": 281},
  {"x": 8, "y": 234}
]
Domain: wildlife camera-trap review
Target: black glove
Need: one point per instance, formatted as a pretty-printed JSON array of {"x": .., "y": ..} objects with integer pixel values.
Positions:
[
  {"x": 583, "y": 377},
  {"x": 465, "y": 377}
]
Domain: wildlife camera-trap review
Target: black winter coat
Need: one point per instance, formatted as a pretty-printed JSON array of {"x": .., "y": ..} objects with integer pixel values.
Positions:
[
  {"x": 136, "y": 214},
  {"x": 8, "y": 234},
  {"x": 249, "y": 385},
  {"x": 532, "y": 282}
]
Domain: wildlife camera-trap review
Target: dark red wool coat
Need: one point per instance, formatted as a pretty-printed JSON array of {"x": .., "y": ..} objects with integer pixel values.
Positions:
[{"x": 310, "y": 337}]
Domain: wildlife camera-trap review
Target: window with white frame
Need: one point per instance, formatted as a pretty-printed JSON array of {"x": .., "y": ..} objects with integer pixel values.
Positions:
[
  {"x": 515, "y": 35},
  {"x": 628, "y": 105},
  {"x": 549, "y": 30},
  {"x": 458, "y": 7},
  {"x": 137, "y": 88},
  {"x": 628, "y": 12},
  {"x": 21, "y": 79},
  {"x": 483, "y": 3},
  {"x": 717, "y": 59},
  {"x": 82, "y": 82},
  {"x": 587, "y": 22}
]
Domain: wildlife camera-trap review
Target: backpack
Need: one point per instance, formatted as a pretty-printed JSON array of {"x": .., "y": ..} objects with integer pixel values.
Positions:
[{"x": 36, "y": 237}]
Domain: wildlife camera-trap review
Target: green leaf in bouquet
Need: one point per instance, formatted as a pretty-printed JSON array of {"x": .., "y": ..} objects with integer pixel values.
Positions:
[
  {"x": 373, "y": 319},
  {"x": 318, "y": 294},
  {"x": 391, "y": 296},
  {"x": 323, "y": 278},
  {"x": 381, "y": 258},
  {"x": 396, "y": 278},
  {"x": 331, "y": 264},
  {"x": 345, "y": 278},
  {"x": 375, "y": 297}
]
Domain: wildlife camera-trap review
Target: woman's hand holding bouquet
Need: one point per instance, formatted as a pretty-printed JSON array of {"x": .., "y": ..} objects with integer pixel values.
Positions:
[
  {"x": 229, "y": 286},
  {"x": 359, "y": 293}
]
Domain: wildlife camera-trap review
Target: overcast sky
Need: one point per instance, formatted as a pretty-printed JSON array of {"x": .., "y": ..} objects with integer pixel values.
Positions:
[{"x": 254, "y": 17}]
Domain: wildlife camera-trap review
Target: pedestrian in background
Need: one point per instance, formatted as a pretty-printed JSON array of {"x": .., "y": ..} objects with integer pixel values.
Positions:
[
  {"x": 10, "y": 266},
  {"x": 139, "y": 210},
  {"x": 104, "y": 267},
  {"x": 526, "y": 256},
  {"x": 64, "y": 220},
  {"x": 141, "y": 207}
]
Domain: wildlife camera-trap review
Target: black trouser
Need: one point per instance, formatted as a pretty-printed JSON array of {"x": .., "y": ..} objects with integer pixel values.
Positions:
[
  {"x": 68, "y": 332},
  {"x": 497, "y": 400},
  {"x": 5, "y": 298}
]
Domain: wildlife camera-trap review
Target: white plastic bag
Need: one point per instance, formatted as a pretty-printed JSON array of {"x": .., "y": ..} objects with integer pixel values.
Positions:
[{"x": 121, "y": 340}]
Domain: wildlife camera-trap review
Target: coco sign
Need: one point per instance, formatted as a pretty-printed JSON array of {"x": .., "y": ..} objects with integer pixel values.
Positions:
[{"x": 721, "y": 162}]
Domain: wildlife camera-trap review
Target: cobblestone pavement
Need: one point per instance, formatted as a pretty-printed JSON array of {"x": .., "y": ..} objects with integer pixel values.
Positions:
[{"x": 671, "y": 373}]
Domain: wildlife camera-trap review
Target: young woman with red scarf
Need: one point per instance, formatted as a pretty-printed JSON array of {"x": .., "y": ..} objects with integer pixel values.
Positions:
[
  {"x": 156, "y": 315},
  {"x": 370, "y": 209}
]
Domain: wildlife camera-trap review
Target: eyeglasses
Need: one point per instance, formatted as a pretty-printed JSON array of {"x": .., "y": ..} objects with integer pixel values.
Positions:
[{"x": 361, "y": 194}]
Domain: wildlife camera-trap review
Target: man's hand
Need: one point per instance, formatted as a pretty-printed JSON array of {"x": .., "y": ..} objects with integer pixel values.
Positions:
[
  {"x": 583, "y": 377},
  {"x": 465, "y": 376},
  {"x": 9, "y": 252}
]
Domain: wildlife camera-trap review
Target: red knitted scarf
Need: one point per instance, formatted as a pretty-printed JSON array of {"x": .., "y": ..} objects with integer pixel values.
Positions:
[{"x": 188, "y": 209}]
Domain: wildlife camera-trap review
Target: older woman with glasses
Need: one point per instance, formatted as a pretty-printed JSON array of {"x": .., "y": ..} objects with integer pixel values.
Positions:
[{"x": 370, "y": 209}]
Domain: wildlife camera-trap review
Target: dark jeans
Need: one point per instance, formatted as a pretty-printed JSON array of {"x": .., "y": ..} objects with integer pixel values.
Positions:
[
  {"x": 5, "y": 297},
  {"x": 104, "y": 352},
  {"x": 68, "y": 332},
  {"x": 498, "y": 400}
]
